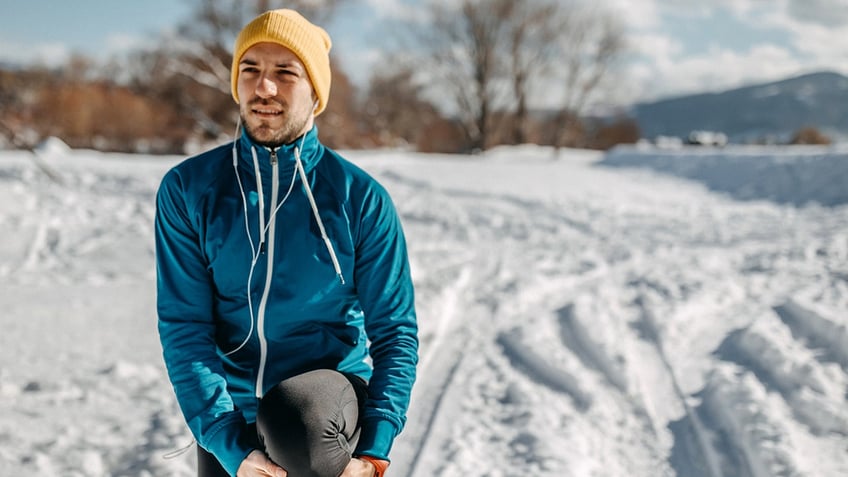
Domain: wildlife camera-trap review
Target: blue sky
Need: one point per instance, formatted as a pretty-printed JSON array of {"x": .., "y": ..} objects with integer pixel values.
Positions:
[
  {"x": 44, "y": 30},
  {"x": 675, "y": 46}
]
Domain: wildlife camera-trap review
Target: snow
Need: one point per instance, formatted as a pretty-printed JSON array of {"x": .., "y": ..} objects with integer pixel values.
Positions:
[
  {"x": 645, "y": 313},
  {"x": 797, "y": 175}
]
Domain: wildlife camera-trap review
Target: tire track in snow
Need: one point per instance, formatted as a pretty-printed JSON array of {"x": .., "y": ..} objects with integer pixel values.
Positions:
[
  {"x": 817, "y": 332},
  {"x": 787, "y": 368},
  {"x": 574, "y": 336},
  {"x": 538, "y": 368},
  {"x": 451, "y": 298},
  {"x": 437, "y": 370},
  {"x": 447, "y": 337},
  {"x": 532, "y": 239},
  {"x": 473, "y": 298},
  {"x": 702, "y": 460},
  {"x": 38, "y": 248}
]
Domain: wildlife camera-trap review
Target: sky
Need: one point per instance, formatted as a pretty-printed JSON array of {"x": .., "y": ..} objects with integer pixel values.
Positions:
[{"x": 675, "y": 47}]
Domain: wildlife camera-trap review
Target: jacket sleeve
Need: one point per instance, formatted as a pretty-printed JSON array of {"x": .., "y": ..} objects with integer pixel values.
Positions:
[
  {"x": 186, "y": 330},
  {"x": 384, "y": 284}
]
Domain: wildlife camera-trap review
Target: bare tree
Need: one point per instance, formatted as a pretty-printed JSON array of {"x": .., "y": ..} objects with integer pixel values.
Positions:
[
  {"x": 480, "y": 51},
  {"x": 341, "y": 124},
  {"x": 533, "y": 31},
  {"x": 589, "y": 44},
  {"x": 464, "y": 43},
  {"x": 395, "y": 107}
]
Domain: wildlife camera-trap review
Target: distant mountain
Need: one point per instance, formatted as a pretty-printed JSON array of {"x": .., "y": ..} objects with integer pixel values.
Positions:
[{"x": 766, "y": 111}]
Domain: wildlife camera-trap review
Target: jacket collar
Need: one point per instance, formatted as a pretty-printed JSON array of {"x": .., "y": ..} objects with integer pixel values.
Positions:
[{"x": 310, "y": 152}]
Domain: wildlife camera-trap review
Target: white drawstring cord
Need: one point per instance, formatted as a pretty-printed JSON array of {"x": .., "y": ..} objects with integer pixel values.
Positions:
[
  {"x": 327, "y": 243},
  {"x": 178, "y": 452}
]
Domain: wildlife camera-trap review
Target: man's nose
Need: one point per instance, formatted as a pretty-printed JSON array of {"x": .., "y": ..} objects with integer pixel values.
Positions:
[{"x": 266, "y": 88}]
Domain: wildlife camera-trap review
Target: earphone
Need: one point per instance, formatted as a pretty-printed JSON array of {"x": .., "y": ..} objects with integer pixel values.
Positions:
[{"x": 256, "y": 250}]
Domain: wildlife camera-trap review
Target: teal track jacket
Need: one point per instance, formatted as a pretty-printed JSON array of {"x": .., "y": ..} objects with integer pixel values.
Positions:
[{"x": 238, "y": 313}]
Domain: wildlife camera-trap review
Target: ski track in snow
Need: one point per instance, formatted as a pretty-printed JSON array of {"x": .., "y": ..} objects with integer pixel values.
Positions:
[{"x": 576, "y": 320}]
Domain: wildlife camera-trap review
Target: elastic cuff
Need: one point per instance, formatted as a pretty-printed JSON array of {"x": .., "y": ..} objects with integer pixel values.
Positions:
[
  {"x": 229, "y": 446},
  {"x": 375, "y": 438}
]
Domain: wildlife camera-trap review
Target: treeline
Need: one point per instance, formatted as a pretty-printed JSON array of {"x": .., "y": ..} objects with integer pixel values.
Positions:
[{"x": 464, "y": 78}]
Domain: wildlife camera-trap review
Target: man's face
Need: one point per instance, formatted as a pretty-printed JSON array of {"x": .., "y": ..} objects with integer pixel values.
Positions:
[{"x": 275, "y": 95}]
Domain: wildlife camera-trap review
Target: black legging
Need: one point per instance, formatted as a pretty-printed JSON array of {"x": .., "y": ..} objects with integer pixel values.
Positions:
[{"x": 307, "y": 424}]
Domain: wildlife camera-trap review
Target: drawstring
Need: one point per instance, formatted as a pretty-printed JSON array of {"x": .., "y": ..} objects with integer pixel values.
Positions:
[
  {"x": 178, "y": 452},
  {"x": 309, "y": 196},
  {"x": 256, "y": 249}
]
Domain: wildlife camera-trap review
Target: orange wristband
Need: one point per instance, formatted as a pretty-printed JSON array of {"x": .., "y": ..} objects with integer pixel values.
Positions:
[{"x": 379, "y": 464}]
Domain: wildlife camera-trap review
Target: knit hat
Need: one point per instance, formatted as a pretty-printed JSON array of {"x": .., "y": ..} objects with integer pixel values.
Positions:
[{"x": 288, "y": 28}]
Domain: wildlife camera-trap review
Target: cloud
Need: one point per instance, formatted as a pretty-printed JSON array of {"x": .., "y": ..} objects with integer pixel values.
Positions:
[
  {"x": 708, "y": 8},
  {"x": 657, "y": 48},
  {"x": 48, "y": 54},
  {"x": 55, "y": 54},
  {"x": 637, "y": 14},
  {"x": 396, "y": 9},
  {"x": 817, "y": 41},
  {"x": 829, "y": 13},
  {"x": 723, "y": 69},
  {"x": 787, "y": 37},
  {"x": 118, "y": 44},
  {"x": 361, "y": 63}
]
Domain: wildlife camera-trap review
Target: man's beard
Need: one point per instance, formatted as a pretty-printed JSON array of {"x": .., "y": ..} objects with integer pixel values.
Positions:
[{"x": 263, "y": 135}]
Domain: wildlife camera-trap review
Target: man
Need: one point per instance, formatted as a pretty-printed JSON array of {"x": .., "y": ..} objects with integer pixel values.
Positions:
[{"x": 285, "y": 301}]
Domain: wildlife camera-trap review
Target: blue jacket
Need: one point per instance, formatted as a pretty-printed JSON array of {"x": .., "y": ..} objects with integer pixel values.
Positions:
[{"x": 224, "y": 348}]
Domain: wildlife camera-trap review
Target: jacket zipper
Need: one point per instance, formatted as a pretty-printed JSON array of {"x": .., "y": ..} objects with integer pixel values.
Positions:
[{"x": 260, "y": 320}]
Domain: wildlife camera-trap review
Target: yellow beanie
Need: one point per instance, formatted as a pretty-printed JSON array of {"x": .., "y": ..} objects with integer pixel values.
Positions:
[{"x": 288, "y": 28}]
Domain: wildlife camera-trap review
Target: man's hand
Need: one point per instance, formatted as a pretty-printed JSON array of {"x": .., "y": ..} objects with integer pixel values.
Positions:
[
  {"x": 359, "y": 468},
  {"x": 257, "y": 464}
]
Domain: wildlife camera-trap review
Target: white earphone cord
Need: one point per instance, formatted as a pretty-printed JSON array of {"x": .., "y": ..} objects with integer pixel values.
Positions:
[{"x": 263, "y": 227}]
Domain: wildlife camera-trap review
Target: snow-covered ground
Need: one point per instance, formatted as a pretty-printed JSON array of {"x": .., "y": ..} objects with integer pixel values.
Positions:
[
  {"x": 576, "y": 319},
  {"x": 796, "y": 175}
]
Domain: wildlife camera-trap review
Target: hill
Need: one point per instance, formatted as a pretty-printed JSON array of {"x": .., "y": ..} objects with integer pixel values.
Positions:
[{"x": 770, "y": 111}]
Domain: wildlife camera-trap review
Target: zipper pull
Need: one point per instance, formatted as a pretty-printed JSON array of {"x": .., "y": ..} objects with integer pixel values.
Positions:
[{"x": 273, "y": 157}]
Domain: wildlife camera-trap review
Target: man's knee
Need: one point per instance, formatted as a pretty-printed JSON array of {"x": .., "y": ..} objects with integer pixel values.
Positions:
[{"x": 307, "y": 423}]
